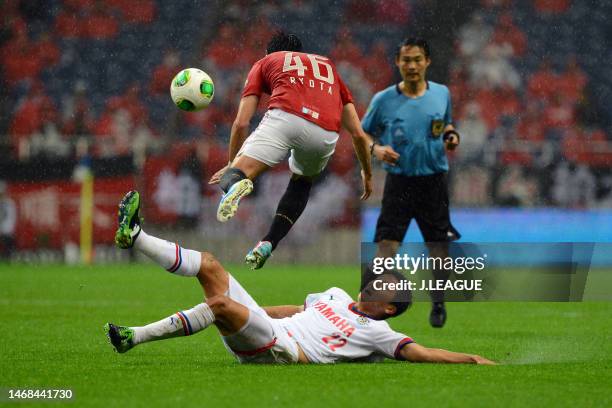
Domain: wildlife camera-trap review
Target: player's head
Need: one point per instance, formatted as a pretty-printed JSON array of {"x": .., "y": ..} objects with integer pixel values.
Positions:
[
  {"x": 412, "y": 59},
  {"x": 282, "y": 41},
  {"x": 385, "y": 296}
]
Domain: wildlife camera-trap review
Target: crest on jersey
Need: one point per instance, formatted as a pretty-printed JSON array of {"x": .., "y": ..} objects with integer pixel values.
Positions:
[
  {"x": 437, "y": 127},
  {"x": 362, "y": 320}
]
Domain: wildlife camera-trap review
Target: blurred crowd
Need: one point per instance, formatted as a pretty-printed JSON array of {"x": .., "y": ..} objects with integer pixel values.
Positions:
[
  {"x": 498, "y": 100},
  {"x": 519, "y": 102},
  {"x": 34, "y": 42},
  {"x": 526, "y": 103}
]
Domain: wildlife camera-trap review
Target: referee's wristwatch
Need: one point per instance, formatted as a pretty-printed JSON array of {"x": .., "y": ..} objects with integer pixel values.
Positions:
[
  {"x": 447, "y": 134},
  {"x": 372, "y": 148}
]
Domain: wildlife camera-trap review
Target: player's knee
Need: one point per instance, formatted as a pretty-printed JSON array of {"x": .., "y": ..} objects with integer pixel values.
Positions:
[
  {"x": 218, "y": 304},
  {"x": 209, "y": 264}
]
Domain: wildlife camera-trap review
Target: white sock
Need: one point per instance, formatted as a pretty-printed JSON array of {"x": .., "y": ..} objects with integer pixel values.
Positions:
[
  {"x": 169, "y": 256},
  {"x": 183, "y": 323}
]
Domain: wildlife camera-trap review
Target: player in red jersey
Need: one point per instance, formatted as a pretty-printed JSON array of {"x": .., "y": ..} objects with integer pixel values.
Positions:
[{"x": 308, "y": 105}]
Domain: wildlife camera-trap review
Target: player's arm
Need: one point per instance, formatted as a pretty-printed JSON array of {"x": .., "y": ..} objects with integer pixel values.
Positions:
[
  {"x": 451, "y": 137},
  {"x": 361, "y": 144},
  {"x": 239, "y": 132},
  {"x": 279, "y": 312},
  {"x": 240, "y": 127},
  {"x": 418, "y": 354}
]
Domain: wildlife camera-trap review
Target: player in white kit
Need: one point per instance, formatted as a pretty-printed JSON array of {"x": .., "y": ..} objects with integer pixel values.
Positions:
[{"x": 329, "y": 327}]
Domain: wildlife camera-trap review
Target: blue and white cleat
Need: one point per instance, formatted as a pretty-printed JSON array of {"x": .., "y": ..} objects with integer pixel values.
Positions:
[
  {"x": 230, "y": 200},
  {"x": 257, "y": 257}
]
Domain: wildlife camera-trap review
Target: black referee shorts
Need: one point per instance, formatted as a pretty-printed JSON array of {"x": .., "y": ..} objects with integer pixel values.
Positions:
[{"x": 424, "y": 198}]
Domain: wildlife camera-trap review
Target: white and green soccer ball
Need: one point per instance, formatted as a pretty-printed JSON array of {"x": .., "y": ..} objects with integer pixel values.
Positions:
[{"x": 192, "y": 89}]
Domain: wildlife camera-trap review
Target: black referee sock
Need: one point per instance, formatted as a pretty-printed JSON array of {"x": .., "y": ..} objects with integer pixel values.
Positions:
[
  {"x": 231, "y": 177},
  {"x": 438, "y": 250},
  {"x": 367, "y": 275},
  {"x": 290, "y": 207}
]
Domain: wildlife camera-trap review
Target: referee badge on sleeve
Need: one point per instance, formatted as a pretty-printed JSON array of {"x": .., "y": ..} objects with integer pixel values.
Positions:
[{"x": 437, "y": 127}]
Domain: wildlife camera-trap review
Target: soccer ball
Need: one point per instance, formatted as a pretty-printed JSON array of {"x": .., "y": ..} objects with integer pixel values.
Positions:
[{"x": 192, "y": 89}]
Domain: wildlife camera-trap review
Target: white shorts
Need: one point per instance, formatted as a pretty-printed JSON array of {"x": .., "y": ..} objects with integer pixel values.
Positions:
[
  {"x": 261, "y": 340},
  {"x": 280, "y": 133}
]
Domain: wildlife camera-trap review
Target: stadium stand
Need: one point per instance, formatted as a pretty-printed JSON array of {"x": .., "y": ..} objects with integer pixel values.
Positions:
[{"x": 528, "y": 85}]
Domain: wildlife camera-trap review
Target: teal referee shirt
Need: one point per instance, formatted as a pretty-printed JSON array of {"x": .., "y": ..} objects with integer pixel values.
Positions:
[{"x": 413, "y": 127}]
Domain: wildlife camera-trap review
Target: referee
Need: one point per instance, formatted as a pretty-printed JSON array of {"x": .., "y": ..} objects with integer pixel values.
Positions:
[{"x": 411, "y": 124}]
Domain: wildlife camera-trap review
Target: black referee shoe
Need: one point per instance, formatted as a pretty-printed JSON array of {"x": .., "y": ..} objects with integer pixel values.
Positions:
[{"x": 437, "y": 316}]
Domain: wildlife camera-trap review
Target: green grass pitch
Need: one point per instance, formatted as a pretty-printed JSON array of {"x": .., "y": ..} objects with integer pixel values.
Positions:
[{"x": 552, "y": 354}]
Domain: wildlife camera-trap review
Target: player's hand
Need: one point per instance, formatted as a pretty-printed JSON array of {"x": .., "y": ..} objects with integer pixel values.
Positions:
[
  {"x": 386, "y": 154},
  {"x": 367, "y": 185},
  {"x": 482, "y": 361},
  {"x": 452, "y": 142},
  {"x": 216, "y": 178}
]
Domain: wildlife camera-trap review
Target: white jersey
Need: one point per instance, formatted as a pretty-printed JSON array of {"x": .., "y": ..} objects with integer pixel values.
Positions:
[{"x": 330, "y": 330}]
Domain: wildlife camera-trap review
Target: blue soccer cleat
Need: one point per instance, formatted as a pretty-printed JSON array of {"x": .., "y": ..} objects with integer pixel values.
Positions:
[
  {"x": 230, "y": 200},
  {"x": 257, "y": 257}
]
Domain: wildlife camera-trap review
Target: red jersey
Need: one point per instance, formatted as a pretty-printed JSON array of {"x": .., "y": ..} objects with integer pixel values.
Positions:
[{"x": 306, "y": 85}]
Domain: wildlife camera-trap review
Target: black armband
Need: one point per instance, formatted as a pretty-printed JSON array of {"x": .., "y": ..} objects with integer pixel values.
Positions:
[{"x": 451, "y": 132}]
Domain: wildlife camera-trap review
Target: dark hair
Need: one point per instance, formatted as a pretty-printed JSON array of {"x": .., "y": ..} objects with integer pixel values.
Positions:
[
  {"x": 413, "y": 42},
  {"x": 403, "y": 298},
  {"x": 281, "y": 41}
]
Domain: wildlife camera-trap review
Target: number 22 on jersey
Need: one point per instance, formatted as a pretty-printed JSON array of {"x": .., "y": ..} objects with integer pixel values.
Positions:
[{"x": 334, "y": 341}]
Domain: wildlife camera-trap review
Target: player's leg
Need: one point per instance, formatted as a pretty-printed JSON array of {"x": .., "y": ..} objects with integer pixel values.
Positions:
[
  {"x": 170, "y": 256},
  {"x": 176, "y": 260},
  {"x": 228, "y": 315},
  {"x": 247, "y": 331},
  {"x": 311, "y": 149},
  {"x": 246, "y": 328},
  {"x": 290, "y": 207},
  {"x": 243, "y": 324},
  {"x": 181, "y": 323},
  {"x": 266, "y": 147},
  {"x": 227, "y": 304},
  {"x": 236, "y": 184}
]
